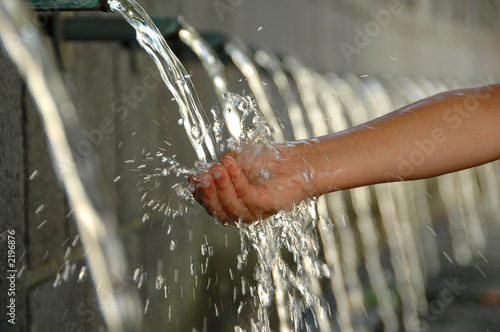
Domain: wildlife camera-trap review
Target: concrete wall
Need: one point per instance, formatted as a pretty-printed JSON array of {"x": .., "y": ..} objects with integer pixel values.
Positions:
[{"x": 421, "y": 39}]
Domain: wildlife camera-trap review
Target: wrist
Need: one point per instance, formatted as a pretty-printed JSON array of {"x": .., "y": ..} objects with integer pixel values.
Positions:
[{"x": 313, "y": 167}]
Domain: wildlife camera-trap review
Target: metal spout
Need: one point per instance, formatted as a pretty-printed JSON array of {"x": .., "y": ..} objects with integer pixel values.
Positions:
[{"x": 69, "y": 5}]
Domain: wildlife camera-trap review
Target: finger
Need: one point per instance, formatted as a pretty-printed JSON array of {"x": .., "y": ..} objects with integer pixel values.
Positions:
[
  {"x": 192, "y": 180},
  {"x": 230, "y": 153},
  {"x": 254, "y": 197},
  {"x": 209, "y": 198},
  {"x": 228, "y": 197}
]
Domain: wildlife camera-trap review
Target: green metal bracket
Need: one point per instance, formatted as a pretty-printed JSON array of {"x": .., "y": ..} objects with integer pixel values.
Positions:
[{"x": 72, "y": 5}]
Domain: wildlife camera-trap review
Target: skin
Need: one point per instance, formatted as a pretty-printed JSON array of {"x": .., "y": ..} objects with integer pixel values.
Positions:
[{"x": 444, "y": 133}]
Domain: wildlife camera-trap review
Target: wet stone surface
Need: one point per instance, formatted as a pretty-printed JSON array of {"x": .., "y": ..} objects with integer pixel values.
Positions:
[{"x": 465, "y": 298}]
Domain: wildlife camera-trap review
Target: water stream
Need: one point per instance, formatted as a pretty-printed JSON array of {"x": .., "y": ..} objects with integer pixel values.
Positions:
[
  {"x": 215, "y": 69},
  {"x": 294, "y": 287},
  {"x": 97, "y": 226},
  {"x": 300, "y": 251},
  {"x": 174, "y": 75}
]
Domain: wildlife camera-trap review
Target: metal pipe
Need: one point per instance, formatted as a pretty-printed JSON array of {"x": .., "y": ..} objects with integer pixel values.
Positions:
[
  {"x": 69, "y": 5},
  {"x": 112, "y": 28}
]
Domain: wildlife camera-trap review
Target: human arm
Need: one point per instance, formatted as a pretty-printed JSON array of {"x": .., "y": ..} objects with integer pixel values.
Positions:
[{"x": 447, "y": 132}]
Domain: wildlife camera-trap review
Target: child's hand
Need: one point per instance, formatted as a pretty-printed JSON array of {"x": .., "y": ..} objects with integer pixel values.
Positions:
[{"x": 254, "y": 185}]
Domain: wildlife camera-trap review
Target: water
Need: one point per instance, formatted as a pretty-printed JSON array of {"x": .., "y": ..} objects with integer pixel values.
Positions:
[
  {"x": 104, "y": 253},
  {"x": 297, "y": 251},
  {"x": 275, "y": 278},
  {"x": 175, "y": 77},
  {"x": 238, "y": 52},
  {"x": 361, "y": 198},
  {"x": 394, "y": 217},
  {"x": 215, "y": 69},
  {"x": 346, "y": 285},
  {"x": 275, "y": 69}
]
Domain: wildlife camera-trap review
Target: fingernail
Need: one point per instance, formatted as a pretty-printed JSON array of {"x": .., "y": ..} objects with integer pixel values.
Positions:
[
  {"x": 216, "y": 173},
  {"x": 228, "y": 159},
  {"x": 204, "y": 183}
]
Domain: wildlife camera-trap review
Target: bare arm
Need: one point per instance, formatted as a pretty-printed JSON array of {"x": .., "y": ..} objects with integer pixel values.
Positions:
[{"x": 444, "y": 133}]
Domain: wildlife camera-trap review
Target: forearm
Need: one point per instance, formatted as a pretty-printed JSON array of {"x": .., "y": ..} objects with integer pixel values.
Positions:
[{"x": 441, "y": 134}]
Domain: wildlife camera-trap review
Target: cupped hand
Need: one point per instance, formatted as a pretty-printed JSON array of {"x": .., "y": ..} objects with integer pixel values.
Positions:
[{"x": 255, "y": 183}]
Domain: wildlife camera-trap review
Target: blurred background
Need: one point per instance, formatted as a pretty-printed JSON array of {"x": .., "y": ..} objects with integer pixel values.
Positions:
[{"x": 128, "y": 116}]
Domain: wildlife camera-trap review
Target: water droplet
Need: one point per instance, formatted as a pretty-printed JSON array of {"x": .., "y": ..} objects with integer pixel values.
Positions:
[
  {"x": 83, "y": 274},
  {"x": 57, "y": 281},
  {"x": 75, "y": 241},
  {"x": 159, "y": 282},
  {"x": 240, "y": 308},
  {"x": 173, "y": 245},
  {"x": 142, "y": 280},
  {"x": 41, "y": 225},
  {"x": 180, "y": 121},
  {"x": 21, "y": 271},
  {"x": 68, "y": 269},
  {"x": 137, "y": 273},
  {"x": 33, "y": 175},
  {"x": 40, "y": 209},
  {"x": 196, "y": 132},
  {"x": 191, "y": 264}
]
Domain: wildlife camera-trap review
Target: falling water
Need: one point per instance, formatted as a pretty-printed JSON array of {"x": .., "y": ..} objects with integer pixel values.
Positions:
[
  {"x": 215, "y": 69},
  {"x": 364, "y": 217},
  {"x": 378, "y": 101},
  {"x": 96, "y": 225},
  {"x": 275, "y": 69},
  {"x": 239, "y": 54},
  {"x": 394, "y": 218},
  {"x": 294, "y": 284},
  {"x": 401, "y": 198},
  {"x": 353, "y": 302},
  {"x": 174, "y": 75},
  {"x": 297, "y": 283},
  {"x": 295, "y": 288}
]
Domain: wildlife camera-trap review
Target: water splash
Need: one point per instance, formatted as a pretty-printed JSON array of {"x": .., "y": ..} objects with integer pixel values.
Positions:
[
  {"x": 175, "y": 76},
  {"x": 288, "y": 283},
  {"x": 215, "y": 69},
  {"x": 239, "y": 54}
]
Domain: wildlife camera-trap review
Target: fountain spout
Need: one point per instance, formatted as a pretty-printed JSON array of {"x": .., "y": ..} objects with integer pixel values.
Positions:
[{"x": 72, "y": 5}]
